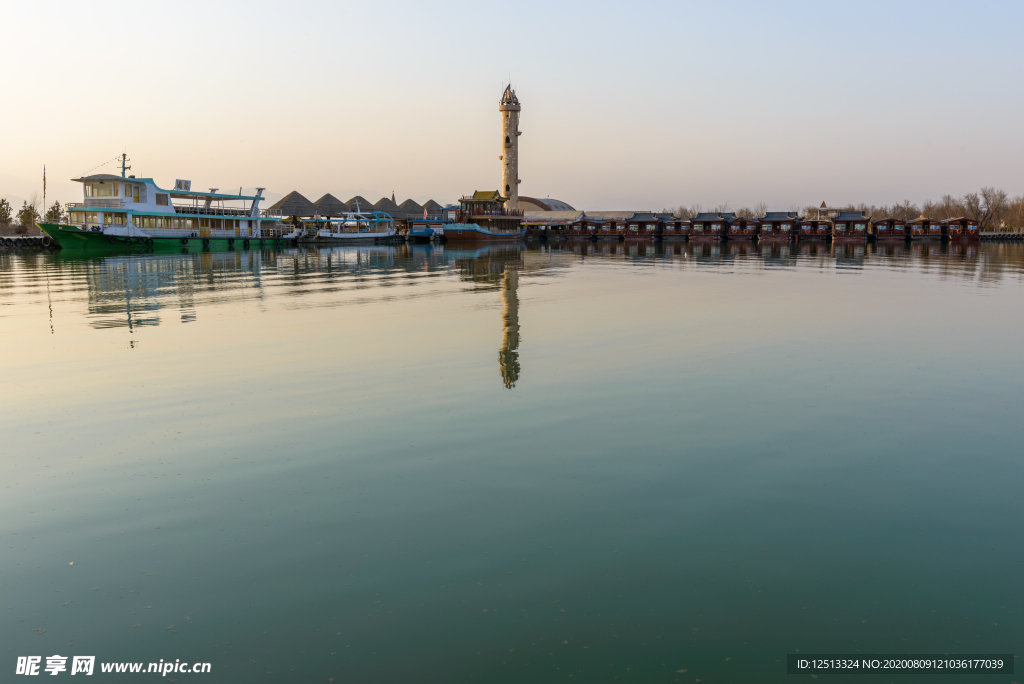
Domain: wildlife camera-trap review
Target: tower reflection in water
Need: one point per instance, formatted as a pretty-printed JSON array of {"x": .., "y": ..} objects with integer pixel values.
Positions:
[
  {"x": 508, "y": 357},
  {"x": 496, "y": 267}
]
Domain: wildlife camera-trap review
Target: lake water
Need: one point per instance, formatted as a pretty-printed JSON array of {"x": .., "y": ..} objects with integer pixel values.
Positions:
[{"x": 414, "y": 464}]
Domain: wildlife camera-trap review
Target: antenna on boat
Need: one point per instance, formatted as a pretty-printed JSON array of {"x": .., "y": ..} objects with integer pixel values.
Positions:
[{"x": 124, "y": 160}]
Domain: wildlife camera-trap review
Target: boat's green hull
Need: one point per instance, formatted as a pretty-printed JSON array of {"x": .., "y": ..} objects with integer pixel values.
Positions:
[{"x": 71, "y": 238}]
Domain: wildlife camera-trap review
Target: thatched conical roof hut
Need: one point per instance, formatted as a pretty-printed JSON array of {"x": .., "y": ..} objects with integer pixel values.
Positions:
[
  {"x": 358, "y": 203},
  {"x": 385, "y": 204},
  {"x": 411, "y": 206},
  {"x": 432, "y": 206},
  {"x": 329, "y": 205},
  {"x": 294, "y": 204}
]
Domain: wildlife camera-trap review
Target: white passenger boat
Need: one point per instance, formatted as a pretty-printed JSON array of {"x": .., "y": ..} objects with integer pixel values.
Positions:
[
  {"x": 124, "y": 211},
  {"x": 354, "y": 226}
]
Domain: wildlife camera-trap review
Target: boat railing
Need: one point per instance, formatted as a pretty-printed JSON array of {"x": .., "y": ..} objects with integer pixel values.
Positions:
[
  {"x": 492, "y": 212},
  {"x": 96, "y": 203},
  {"x": 211, "y": 211}
]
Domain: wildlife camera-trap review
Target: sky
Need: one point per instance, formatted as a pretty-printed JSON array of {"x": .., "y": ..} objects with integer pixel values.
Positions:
[{"x": 633, "y": 106}]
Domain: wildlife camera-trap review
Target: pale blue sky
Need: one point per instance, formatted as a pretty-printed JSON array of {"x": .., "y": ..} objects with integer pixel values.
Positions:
[{"x": 625, "y": 105}]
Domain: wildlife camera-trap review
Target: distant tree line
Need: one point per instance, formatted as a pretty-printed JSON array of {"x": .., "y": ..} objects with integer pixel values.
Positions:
[
  {"x": 28, "y": 215},
  {"x": 993, "y": 209}
]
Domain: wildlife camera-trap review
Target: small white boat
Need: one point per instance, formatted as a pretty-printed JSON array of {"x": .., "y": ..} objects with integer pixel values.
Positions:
[{"x": 355, "y": 226}]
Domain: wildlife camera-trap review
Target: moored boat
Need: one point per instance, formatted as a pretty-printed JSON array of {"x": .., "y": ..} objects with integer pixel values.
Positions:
[
  {"x": 925, "y": 229},
  {"x": 889, "y": 230},
  {"x": 962, "y": 229},
  {"x": 484, "y": 217},
  {"x": 814, "y": 230},
  {"x": 742, "y": 229},
  {"x": 425, "y": 231},
  {"x": 777, "y": 226},
  {"x": 850, "y": 227},
  {"x": 675, "y": 229},
  {"x": 709, "y": 226},
  {"x": 120, "y": 212},
  {"x": 643, "y": 225},
  {"x": 354, "y": 226}
]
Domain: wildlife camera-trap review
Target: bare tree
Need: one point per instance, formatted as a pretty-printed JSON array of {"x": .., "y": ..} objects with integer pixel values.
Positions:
[
  {"x": 993, "y": 207},
  {"x": 745, "y": 212},
  {"x": 688, "y": 212},
  {"x": 760, "y": 209},
  {"x": 972, "y": 206},
  {"x": 1015, "y": 212}
]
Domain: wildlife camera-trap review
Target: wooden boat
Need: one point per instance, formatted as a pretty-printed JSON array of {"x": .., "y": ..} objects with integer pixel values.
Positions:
[
  {"x": 962, "y": 229},
  {"x": 777, "y": 226},
  {"x": 709, "y": 226},
  {"x": 850, "y": 227},
  {"x": 814, "y": 230},
  {"x": 742, "y": 229},
  {"x": 889, "y": 230},
  {"x": 676, "y": 230},
  {"x": 642, "y": 226},
  {"x": 924, "y": 229}
]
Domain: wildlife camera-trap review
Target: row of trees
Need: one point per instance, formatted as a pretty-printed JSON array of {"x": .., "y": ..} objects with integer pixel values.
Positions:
[
  {"x": 993, "y": 209},
  {"x": 29, "y": 213}
]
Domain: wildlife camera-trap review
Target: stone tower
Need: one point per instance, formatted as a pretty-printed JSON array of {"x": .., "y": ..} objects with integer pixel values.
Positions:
[{"x": 509, "y": 108}]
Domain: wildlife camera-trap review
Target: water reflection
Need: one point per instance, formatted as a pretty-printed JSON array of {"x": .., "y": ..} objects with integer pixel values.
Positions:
[
  {"x": 490, "y": 268},
  {"x": 508, "y": 357},
  {"x": 133, "y": 291}
]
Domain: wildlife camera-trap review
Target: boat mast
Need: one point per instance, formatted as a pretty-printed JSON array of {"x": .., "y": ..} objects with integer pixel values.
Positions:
[{"x": 124, "y": 160}]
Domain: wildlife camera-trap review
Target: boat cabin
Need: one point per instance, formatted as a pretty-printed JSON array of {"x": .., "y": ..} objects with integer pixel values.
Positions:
[
  {"x": 675, "y": 228},
  {"x": 850, "y": 226},
  {"x": 814, "y": 230},
  {"x": 889, "y": 229},
  {"x": 642, "y": 225},
  {"x": 962, "y": 229},
  {"x": 743, "y": 229},
  {"x": 549, "y": 225},
  {"x": 709, "y": 226},
  {"x": 924, "y": 228},
  {"x": 778, "y": 226},
  {"x": 607, "y": 226}
]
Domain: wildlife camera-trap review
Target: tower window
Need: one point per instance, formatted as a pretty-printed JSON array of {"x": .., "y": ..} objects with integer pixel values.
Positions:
[
  {"x": 506, "y": 188},
  {"x": 507, "y": 141}
]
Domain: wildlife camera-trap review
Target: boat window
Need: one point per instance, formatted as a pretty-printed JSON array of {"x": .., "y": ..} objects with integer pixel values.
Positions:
[
  {"x": 161, "y": 199},
  {"x": 100, "y": 190},
  {"x": 858, "y": 226},
  {"x": 785, "y": 226},
  {"x": 840, "y": 226},
  {"x": 716, "y": 226},
  {"x": 898, "y": 226}
]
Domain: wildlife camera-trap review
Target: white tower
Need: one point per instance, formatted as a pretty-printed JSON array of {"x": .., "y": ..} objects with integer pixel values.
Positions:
[{"x": 509, "y": 108}]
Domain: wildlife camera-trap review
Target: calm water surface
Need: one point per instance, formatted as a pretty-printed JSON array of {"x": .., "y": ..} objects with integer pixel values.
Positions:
[{"x": 438, "y": 465}]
